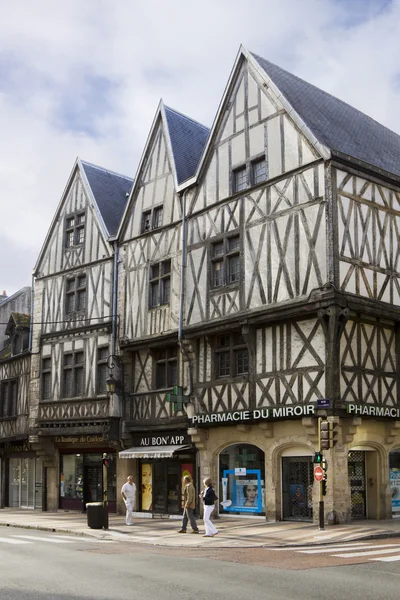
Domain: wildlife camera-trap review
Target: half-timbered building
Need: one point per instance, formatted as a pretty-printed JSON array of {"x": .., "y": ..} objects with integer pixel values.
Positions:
[
  {"x": 73, "y": 420},
  {"x": 20, "y": 469},
  {"x": 286, "y": 233},
  {"x": 151, "y": 310}
]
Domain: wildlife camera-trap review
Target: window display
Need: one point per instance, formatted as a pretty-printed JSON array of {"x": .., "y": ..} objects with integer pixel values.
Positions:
[
  {"x": 394, "y": 478},
  {"x": 242, "y": 480}
]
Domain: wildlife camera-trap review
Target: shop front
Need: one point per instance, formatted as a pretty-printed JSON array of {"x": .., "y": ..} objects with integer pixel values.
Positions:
[
  {"x": 160, "y": 461},
  {"x": 22, "y": 477},
  {"x": 394, "y": 480},
  {"x": 81, "y": 472}
]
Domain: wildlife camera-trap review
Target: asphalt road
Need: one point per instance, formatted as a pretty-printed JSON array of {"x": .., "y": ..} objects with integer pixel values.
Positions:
[{"x": 38, "y": 565}]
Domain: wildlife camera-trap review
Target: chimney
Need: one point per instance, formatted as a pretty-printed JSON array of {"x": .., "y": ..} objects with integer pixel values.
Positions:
[{"x": 4, "y": 293}]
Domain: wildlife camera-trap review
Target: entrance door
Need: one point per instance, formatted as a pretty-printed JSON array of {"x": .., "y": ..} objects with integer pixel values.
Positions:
[
  {"x": 297, "y": 485},
  {"x": 356, "y": 468}
]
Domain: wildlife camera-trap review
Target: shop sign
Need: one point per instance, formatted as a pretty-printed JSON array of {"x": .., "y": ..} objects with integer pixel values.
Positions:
[
  {"x": 164, "y": 439},
  {"x": 276, "y": 412},
  {"x": 372, "y": 410},
  {"x": 79, "y": 439}
]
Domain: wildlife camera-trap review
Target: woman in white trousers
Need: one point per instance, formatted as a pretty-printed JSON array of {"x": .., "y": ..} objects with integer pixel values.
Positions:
[{"x": 209, "y": 497}]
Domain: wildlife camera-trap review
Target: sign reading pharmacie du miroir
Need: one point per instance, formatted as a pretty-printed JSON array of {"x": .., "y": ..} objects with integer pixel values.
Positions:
[{"x": 257, "y": 414}]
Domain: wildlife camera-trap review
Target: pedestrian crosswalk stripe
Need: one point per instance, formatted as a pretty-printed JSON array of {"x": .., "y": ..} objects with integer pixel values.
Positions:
[
  {"x": 82, "y": 539},
  {"x": 362, "y": 554},
  {"x": 10, "y": 541},
  {"x": 42, "y": 539},
  {"x": 388, "y": 558},
  {"x": 343, "y": 549},
  {"x": 331, "y": 547}
]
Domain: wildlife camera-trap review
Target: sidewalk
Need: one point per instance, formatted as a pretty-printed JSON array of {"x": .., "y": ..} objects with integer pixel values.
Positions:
[{"x": 234, "y": 532}]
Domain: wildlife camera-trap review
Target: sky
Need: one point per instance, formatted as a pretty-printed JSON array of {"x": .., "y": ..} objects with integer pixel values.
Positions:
[{"x": 84, "y": 78}]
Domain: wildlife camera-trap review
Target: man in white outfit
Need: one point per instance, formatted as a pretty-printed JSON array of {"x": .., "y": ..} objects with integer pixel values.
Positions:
[{"x": 128, "y": 493}]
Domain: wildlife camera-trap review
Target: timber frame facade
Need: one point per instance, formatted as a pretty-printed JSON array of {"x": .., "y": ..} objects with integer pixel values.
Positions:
[{"x": 246, "y": 273}]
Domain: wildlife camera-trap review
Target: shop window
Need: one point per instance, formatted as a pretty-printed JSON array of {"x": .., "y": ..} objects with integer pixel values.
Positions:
[
  {"x": 225, "y": 261},
  {"x": 8, "y": 398},
  {"x": 394, "y": 479},
  {"x": 160, "y": 283},
  {"x": 75, "y": 299},
  {"x": 242, "y": 480},
  {"x": 75, "y": 229},
  {"x": 46, "y": 378},
  {"x": 102, "y": 370},
  {"x": 166, "y": 367},
  {"x": 232, "y": 357},
  {"x": 73, "y": 375}
]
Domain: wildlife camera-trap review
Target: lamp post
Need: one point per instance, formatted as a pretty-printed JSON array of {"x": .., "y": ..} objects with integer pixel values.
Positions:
[{"x": 113, "y": 385}]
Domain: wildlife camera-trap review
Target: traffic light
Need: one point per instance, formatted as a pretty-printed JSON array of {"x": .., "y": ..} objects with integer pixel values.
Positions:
[
  {"x": 328, "y": 434},
  {"x": 323, "y": 483},
  {"x": 106, "y": 460},
  {"x": 318, "y": 458}
]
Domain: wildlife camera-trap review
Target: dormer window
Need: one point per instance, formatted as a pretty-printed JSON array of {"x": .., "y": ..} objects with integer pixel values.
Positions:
[{"x": 75, "y": 229}]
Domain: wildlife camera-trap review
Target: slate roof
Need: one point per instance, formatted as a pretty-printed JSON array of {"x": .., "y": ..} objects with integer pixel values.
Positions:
[
  {"x": 335, "y": 124},
  {"x": 110, "y": 191},
  {"x": 188, "y": 139}
]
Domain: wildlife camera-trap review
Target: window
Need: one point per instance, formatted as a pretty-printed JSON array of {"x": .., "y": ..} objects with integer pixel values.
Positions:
[
  {"x": 258, "y": 171},
  {"x": 73, "y": 375},
  {"x": 102, "y": 370},
  {"x": 225, "y": 261},
  {"x": 8, "y": 399},
  {"x": 46, "y": 378},
  {"x": 253, "y": 173},
  {"x": 152, "y": 219},
  {"x": 75, "y": 230},
  {"x": 160, "y": 283},
  {"x": 240, "y": 179},
  {"x": 75, "y": 294},
  {"x": 232, "y": 358},
  {"x": 166, "y": 367}
]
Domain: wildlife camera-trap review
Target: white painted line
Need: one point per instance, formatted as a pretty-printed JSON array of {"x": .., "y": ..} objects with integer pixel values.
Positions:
[
  {"x": 361, "y": 554},
  {"x": 331, "y": 547},
  {"x": 82, "y": 539},
  {"x": 388, "y": 558},
  {"x": 41, "y": 539},
  {"x": 10, "y": 541},
  {"x": 335, "y": 549}
]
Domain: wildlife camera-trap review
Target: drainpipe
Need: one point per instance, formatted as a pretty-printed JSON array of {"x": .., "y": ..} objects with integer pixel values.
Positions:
[
  {"x": 32, "y": 314},
  {"x": 114, "y": 301},
  {"x": 182, "y": 298}
]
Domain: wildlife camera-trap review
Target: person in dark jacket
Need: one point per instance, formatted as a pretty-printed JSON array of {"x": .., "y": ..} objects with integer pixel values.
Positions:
[
  {"x": 209, "y": 497},
  {"x": 189, "y": 503}
]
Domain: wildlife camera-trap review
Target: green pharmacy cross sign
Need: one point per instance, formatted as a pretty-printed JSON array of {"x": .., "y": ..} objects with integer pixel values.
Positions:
[{"x": 178, "y": 398}]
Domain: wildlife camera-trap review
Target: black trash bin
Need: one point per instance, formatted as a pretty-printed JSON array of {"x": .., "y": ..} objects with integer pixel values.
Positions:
[{"x": 95, "y": 515}]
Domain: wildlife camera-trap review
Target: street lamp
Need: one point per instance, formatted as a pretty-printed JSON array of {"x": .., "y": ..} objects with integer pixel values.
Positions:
[{"x": 113, "y": 385}]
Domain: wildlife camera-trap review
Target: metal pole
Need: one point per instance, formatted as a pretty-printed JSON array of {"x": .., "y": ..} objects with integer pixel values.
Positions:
[
  {"x": 105, "y": 500},
  {"x": 321, "y": 496}
]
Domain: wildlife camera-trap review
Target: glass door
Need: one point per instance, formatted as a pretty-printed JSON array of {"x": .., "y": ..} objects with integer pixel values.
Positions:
[{"x": 297, "y": 486}]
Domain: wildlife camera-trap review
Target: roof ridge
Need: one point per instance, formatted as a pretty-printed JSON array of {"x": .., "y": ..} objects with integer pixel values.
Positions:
[
  {"x": 177, "y": 112},
  {"x": 257, "y": 56},
  {"x": 85, "y": 162}
]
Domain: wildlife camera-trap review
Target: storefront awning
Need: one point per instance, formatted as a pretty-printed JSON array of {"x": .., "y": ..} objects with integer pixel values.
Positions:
[{"x": 152, "y": 451}]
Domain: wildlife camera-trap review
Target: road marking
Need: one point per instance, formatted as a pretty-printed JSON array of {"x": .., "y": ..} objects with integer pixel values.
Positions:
[
  {"x": 361, "y": 554},
  {"x": 42, "y": 539},
  {"x": 388, "y": 558},
  {"x": 331, "y": 547},
  {"x": 344, "y": 548},
  {"x": 83, "y": 539},
  {"x": 10, "y": 541}
]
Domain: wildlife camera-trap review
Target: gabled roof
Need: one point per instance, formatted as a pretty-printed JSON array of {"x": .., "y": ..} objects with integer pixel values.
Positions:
[
  {"x": 111, "y": 192},
  {"x": 337, "y": 125},
  {"x": 188, "y": 139}
]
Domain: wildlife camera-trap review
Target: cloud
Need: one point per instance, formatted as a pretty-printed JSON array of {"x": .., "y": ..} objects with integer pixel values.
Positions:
[{"x": 85, "y": 78}]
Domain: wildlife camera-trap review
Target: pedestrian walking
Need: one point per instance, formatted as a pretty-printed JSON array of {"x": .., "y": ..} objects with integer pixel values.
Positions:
[
  {"x": 209, "y": 497},
  {"x": 128, "y": 493},
  {"x": 188, "y": 505}
]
